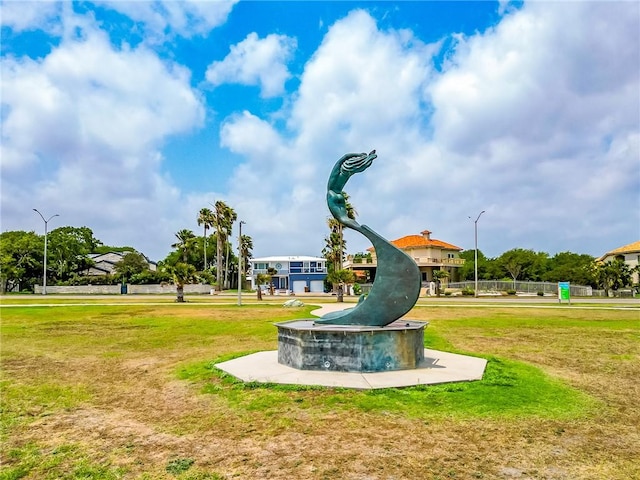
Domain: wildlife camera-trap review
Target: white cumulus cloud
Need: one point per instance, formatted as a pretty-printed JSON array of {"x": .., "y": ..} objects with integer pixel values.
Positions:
[
  {"x": 255, "y": 61},
  {"x": 22, "y": 15},
  {"x": 82, "y": 132},
  {"x": 535, "y": 121},
  {"x": 186, "y": 18}
]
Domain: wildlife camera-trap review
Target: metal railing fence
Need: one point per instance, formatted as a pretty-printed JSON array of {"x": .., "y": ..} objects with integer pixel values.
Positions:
[{"x": 488, "y": 286}]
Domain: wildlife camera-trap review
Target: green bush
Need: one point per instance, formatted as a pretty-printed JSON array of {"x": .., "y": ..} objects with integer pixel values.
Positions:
[
  {"x": 149, "y": 277},
  {"x": 207, "y": 277},
  {"x": 468, "y": 291},
  {"x": 541, "y": 294},
  {"x": 511, "y": 291}
]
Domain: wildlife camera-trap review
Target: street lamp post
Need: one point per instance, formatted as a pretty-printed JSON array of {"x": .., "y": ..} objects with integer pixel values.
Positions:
[
  {"x": 475, "y": 261},
  {"x": 44, "y": 274},
  {"x": 240, "y": 262}
]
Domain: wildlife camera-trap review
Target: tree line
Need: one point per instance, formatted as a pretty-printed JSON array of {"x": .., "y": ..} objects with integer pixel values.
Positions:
[
  {"x": 515, "y": 264},
  {"x": 528, "y": 265},
  {"x": 190, "y": 262},
  {"x": 70, "y": 251},
  {"x": 210, "y": 258}
]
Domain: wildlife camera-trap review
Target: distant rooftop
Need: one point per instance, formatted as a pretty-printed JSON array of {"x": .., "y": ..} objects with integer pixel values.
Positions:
[
  {"x": 631, "y": 248},
  {"x": 422, "y": 240},
  {"x": 294, "y": 258}
]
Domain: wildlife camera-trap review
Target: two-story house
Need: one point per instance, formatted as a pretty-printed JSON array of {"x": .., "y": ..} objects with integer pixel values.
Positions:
[
  {"x": 629, "y": 254},
  {"x": 429, "y": 254},
  {"x": 298, "y": 273},
  {"x": 105, "y": 263}
]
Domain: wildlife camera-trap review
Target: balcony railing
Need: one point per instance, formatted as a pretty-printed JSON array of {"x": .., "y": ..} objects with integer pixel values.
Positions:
[
  {"x": 307, "y": 270},
  {"x": 438, "y": 261},
  {"x": 421, "y": 261},
  {"x": 360, "y": 260},
  {"x": 285, "y": 271}
]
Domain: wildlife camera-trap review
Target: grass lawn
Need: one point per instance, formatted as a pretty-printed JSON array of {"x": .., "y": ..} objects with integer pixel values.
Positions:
[{"x": 130, "y": 390}]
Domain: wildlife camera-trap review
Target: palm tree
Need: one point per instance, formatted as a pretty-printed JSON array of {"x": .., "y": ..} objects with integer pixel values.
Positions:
[
  {"x": 271, "y": 272},
  {"x": 341, "y": 278},
  {"x": 182, "y": 274},
  {"x": 351, "y": 212},
  {"x": 205, "y": 217},
  {"x": 228, "y": 232},
  {"x": 335, "y": 244},
  {"x": 246, "y": 245},
  {"x": 636, "y": 271},
  {"x": 261, "y": 279},
  {"x": 438, "y": 275},
  {"x": 185, "y": 243},
  {"x": 612, "y": 275},
  {"x": 223, "y": 218}
]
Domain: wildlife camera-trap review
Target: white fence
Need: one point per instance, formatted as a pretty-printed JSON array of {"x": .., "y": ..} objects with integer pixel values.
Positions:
[
  {"x": 193, "y": 289},
  {"x": 80, "y": 289}
]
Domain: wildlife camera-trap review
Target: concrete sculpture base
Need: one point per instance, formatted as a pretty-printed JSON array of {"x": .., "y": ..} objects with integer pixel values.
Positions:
[
  {"x": 437, "y": 367},
  {"x": 305, "y": 345}
]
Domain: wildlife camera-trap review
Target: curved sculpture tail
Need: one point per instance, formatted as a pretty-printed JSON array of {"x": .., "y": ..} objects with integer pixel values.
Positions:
[{"x": 394, "y": 291}]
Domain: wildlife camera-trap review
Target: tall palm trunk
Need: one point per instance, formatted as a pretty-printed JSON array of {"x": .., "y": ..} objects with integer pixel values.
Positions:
[
  {"x": 206, "y": 218},
  {"x": 180, "y": 293},
  {"x": 224, "y": 218},
  {"x": 205, "y": 247},
  {"x": 226, "y": 266},
  {"x": 219, "y": 261}
]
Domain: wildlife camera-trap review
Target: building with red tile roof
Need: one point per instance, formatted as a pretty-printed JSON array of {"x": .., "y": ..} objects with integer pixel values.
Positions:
[
  {"x": 430, "y": 254},
  {"x": 629, "y": 254},
  {"x": 423, "y": 241}
]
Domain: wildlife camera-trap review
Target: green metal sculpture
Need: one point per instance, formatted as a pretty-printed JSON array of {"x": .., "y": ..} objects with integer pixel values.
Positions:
[{"x": 397, "y": 284}]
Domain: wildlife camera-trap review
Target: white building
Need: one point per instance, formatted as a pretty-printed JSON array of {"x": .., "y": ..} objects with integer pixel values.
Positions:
[
  {"x": 629, "y": 254},
  {"x": 298, "y": 273}
]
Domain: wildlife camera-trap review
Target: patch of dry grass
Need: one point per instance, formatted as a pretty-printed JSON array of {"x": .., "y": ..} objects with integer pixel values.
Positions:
[{"x": 93, "y": 392}]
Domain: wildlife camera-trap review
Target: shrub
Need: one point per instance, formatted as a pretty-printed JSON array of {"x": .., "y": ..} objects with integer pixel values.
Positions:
[
  {"x": 511, "y": 291},
  {"x": 468, "y": 291},
  {"x": 207, "y": 277},
  {"x": 541, "y": 294},
  {"x": 149, "y": 277}
]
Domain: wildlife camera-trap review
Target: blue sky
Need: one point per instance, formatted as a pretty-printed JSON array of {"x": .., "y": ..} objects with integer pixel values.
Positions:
[{"x": 129, "y": 116}]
